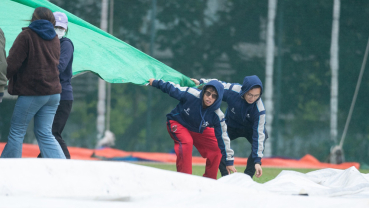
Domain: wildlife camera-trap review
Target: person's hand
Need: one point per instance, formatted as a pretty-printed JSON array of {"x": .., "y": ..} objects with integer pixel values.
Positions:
[
  {"x": 259, "y": 171},
  {"x": 150, "y": 81},
  {"x": 1, "y": 96},
  {"x": 230, "y": 169},
  {"x": 197, "y": 83}
]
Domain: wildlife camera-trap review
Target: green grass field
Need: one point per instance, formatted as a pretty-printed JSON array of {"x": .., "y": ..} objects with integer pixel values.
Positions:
[{"x": 268, "y": 173}]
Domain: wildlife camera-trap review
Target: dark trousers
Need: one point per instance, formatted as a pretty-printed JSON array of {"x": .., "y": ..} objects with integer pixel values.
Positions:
[
  {"x": 60, "y": 119},
  {"x": 234, "y": 134}
]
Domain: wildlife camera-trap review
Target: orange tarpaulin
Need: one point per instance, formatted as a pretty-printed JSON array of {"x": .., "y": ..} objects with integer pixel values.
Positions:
[
  {"x": 111, "y": 153},
  {"x": 308, "y": 161},
  {"x": 32, "y": 150}
]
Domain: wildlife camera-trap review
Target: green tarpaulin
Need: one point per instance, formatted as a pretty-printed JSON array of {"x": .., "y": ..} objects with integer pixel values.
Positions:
[{"x": 95, "y": 50}]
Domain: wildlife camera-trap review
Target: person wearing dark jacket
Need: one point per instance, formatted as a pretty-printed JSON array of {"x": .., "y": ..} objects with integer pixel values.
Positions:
[
  {"x": 3, "y": 65},
  {"x": 197, "y": 120},
  {"x": 33, "y": 76},
  {"x": 245, "y": 117},
  {"x": 65, "y": 76}
]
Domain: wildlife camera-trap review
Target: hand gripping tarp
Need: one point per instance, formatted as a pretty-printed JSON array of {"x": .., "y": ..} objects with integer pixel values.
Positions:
[{"x": 95, "y": 50}]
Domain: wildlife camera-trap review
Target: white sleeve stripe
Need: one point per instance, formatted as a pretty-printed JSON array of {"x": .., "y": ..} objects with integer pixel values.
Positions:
[
  {"x": 208, "y": 80},
  {"x": 260, "y": 105},
  {"x": 261, "y": 135},
  {"x": 227, "y": 86},
  {"x": 178, "y": 86},
  {"x": 184, "y": 89},
  {"x": 226, "y": 140},
  {"x": 237, "y": 88},
  {"x": 194, "y": 92}
]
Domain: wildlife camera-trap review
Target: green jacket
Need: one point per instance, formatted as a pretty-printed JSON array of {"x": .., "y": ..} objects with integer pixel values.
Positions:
[{"x": 3, "y": 64}]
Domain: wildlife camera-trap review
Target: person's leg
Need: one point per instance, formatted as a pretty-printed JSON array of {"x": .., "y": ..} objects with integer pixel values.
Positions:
[
  {"x": 232, "y": 134},
  {"x": 207, "y": 145},
  {"x": 49, "y": 147},
  {"x": 24, "y": 110},
  {"x": 60, "y": 119},
  {"x": 182, "y": 145},
  {"x": 250, "y": 165}
]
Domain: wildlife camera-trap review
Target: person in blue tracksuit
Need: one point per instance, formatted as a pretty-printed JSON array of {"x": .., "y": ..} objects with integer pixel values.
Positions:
[
  {"x": 65, "y": 76},
  {"x": 197, "y": 120},
  {"x": 245, "y": 117}
]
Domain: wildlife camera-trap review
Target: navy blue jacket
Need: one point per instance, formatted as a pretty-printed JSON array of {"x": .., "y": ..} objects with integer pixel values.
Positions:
[
  {"x": 191, "y": 114},
  {"x": 65, "y": 68},
  {"x": 242, "y": 115}
]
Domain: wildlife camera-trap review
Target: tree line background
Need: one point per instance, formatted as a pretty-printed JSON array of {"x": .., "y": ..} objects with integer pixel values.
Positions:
[{"x": 225, "y": 39}]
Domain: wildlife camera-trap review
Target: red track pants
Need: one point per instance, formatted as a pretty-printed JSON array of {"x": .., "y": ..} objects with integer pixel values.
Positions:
[{"x": 206, "y": 143}]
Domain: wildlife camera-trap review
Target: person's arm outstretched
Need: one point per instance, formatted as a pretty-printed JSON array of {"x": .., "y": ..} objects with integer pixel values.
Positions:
[
  {"x": 204, "y": 81},
  {"x": 172, "y": 89}
]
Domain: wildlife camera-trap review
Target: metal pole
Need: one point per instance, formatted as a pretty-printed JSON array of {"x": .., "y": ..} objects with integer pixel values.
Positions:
[
  {"x": 334, "y": 64},
  {"x": 101, "y": 83},
  {"x": 272, "y": 6},
  {"x": 355, "y": 95}
]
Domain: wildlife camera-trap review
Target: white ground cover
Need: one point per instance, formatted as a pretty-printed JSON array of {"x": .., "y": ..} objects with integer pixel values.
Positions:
[{"x": 76, "y": 183}]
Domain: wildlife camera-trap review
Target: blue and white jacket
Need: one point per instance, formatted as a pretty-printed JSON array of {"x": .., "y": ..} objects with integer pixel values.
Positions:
[
  {"x": 191, "y": 114},
  {"x": 241, "y": 114}
]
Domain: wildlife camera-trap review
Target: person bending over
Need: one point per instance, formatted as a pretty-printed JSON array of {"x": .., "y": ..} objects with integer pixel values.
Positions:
[
  {"x": 245, "y": 117},
  {"x": 197, "y": 120}
]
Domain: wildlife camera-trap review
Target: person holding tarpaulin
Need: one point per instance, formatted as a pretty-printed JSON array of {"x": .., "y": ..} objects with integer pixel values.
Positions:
[
  {"x": 65, "y": 76},
  {"x": 190, "y": 124},
  {"x": 245, "y": 117},
  {"x": 33, "y": 76},
  {"x": 3, "y": 65}
]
